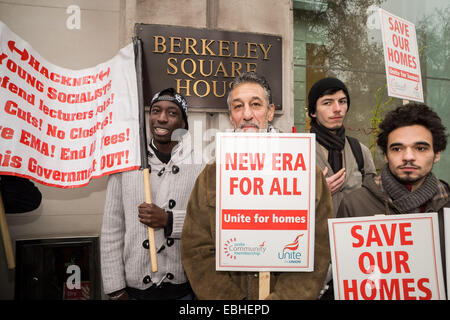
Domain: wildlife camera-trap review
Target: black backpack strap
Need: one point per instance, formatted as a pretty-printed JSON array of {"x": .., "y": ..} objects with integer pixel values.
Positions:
[{"x": 357, "y": 153}]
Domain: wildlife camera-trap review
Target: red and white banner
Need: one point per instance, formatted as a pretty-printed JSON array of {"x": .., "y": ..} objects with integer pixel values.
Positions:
[
  {"x": 401, "y": 57},
  {"x": 387, "y": 258},
  {"x": 63, "y": 127},
  {"x": 265, "y": 204}
]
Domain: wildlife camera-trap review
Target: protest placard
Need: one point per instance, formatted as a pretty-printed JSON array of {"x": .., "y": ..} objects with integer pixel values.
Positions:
[
  {"x": 63, "y": 127},
  {"x": 265, "y": 202},
  {"x": 387, "y": 258},
  {"x": 401, "y": 57}
]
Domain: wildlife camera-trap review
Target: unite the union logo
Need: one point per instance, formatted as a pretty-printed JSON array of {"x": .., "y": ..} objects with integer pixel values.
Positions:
[{"x": 290, "y": 253}]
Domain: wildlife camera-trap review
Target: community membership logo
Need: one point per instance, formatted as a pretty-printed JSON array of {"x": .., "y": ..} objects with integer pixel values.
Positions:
[
  {"x": 234, "y": 248},
  {"x": 290, "y": 253}
]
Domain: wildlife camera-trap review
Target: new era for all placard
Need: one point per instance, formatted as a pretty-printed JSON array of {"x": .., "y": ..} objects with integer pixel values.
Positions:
[{"x": 265, "y": 202}]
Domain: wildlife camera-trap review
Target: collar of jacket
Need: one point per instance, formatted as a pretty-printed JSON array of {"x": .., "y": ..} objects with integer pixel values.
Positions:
[
  {"x": 179, "y": 153},
  {"x": 271, "y": 129}
]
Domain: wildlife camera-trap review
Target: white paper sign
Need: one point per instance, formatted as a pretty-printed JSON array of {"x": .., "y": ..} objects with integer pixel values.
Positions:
[
  {"x": 63, "y": 127},
  {"x": 401, "y": 57},
  {"x": 265, "y": 201},
  {"x": 387, "y": 258}
]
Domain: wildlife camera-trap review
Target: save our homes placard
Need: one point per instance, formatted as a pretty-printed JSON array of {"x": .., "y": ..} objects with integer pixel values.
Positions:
[
  {"x": 387, "y": 257},
  {"x": 401, "y": 56},
  {"x": 265, "y": 201}
]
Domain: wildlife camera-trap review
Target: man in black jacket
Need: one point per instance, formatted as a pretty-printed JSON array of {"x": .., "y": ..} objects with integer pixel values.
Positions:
[{"x": 343, "y": 159}]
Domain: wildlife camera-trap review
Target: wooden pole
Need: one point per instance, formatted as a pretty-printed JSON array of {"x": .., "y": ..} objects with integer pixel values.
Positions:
[
  {"x": 151, "y": 231},
  {"x": 143, "y": 145},
  {"x": 264, "y": 284},
  {"x": 9, "y": 253}
]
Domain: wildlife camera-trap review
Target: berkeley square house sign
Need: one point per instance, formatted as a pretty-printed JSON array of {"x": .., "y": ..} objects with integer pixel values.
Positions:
[{"x": 201, "y": 63}]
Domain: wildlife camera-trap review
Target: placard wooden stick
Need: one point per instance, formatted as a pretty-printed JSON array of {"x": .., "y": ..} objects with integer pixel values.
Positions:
[
  {"x": 264, "y": 284},
  {"x": 151, "y": 231},
  {"x": 9, "y": 253}
]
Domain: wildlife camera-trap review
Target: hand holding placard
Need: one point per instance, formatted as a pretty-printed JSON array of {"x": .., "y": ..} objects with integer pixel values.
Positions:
[{"x": 151, "y": 231}]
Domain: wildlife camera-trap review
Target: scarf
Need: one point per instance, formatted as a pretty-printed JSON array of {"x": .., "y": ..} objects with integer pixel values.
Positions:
[
  {"x": 402, "y": 198},
  {"x": 334, "y": 143}
]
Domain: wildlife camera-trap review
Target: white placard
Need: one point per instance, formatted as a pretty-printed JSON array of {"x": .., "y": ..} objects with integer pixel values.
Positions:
[
  {"x": 401, "y": 57},
  {"x": 265, "y": 203},
  {"x": 387, "y": 258}
]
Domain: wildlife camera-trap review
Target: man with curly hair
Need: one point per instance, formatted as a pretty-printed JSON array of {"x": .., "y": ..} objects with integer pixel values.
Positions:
[{"x": 412, "y": 138}]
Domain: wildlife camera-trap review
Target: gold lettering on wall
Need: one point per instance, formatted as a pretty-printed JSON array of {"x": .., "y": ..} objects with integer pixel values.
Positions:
[
  {"x": 190, "y": 45},
  {"x": 224, "y": 48},
  {"x": 170, "y": 63},
  {"x": 202, "y": 72},
  {"x": 175, "y": 43},
  {"x": 203, "y": 66},
  {"x": 193, "y": 67},
  {"x": 265, "y": 50},
  {"x": 205, "y": 46},
  {"x": 160, "y": 46}
]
